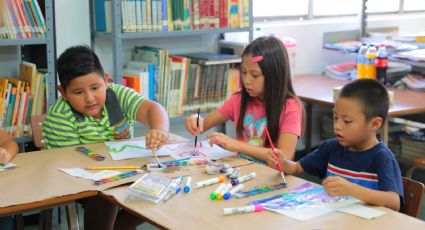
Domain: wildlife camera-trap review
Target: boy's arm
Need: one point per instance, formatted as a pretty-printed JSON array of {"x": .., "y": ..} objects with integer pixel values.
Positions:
[
  {"x": 8, "y": 147},
  {"x": 338, "y": 186},
  {"x": 155, "y": 117}
]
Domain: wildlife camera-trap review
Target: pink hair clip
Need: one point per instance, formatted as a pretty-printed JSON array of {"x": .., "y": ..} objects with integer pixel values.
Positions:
[{"x": 257, "y": 58}]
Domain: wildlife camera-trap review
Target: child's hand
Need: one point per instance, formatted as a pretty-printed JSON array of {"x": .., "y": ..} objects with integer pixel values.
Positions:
[
  {"x": 272, "y": 160},
  {"x": 155, "y": 138},
  {"x": 191, "y": 127},
  {"x": 223, "y": 140},
  {"x": 337, "y": 186},
  {"x": 4, "y": 156}
]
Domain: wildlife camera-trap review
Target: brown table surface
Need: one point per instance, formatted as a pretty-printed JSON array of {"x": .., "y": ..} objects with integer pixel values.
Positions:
[
  {"x": 37, "y": 183},
  {"x": 316, "y": 89},
  {"x": 195, "y": 210}
]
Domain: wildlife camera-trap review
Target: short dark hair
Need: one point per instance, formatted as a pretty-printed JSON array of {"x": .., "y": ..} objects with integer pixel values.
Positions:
[
  {"x": 371, "y": 94},
  {"x": 77, "y": 61}
]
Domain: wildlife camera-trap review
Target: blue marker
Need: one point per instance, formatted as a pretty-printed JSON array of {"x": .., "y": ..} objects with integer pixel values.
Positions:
[
  {"x": 174, "y": 188},
  {"x": 186, "y": 188},
  {"x": 263, "y": 200},
  {"x": 232, "y": 191}
]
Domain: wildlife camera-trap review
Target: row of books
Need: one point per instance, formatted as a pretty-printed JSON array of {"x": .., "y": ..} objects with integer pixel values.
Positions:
[
  {"x": 21, "y": 98},
  {"x": 172, "y": 15},
  {"x": 21, "y": 19},
  {"x": 182, "y": 83}
]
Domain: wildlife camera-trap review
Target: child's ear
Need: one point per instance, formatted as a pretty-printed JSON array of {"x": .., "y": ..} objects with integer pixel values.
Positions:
[
  {"x": 106, "y": 78},
  {"x": 376, "y": 123},
  {"x": 61, "y": 91}
]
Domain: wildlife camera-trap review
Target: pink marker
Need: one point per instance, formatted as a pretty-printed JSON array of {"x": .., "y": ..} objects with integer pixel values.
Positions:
[{"x": 244, "y": 209}]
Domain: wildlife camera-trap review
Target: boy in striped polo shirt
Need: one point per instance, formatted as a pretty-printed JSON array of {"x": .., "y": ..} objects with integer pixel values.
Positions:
[
  {"x": 356, "y": 163},
  {"x": 91, "y": 110}
]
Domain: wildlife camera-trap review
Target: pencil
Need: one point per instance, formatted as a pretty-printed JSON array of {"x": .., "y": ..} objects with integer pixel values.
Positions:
[
  {"x": 197, "y": 125},
  {"x": 156, "y": 158},
  {"x": 276, "y": 156},
  {"x": 113, "y": 167}
]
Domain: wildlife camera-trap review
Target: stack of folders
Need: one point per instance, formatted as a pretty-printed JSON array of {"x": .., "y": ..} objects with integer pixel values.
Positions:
[{"x": 152, "y": 187}]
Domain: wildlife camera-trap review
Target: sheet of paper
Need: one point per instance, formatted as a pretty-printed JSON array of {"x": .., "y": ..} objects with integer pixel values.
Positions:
[
  {"x": 132, "y": 149},
  {"x": 121, "y": 150},
  {"x": 362, "y": 211},
  {"x": 4, "y": 167},
  {"x": 82, "y": 173},
  {"x": 304, "y": 213},
  {"x": 203, "y": 150}
]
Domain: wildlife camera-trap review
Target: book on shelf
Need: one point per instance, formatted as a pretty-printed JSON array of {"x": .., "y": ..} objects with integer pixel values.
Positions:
[
  {"x": 21, "y": 98},
  {"x": 205, "y": 58},
  {"x": 21, "y": 19},
  {"x": 183, "y": 83},
  {"x": 173, "y": 15}
]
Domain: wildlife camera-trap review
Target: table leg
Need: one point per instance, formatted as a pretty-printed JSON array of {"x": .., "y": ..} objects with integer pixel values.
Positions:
[
  {"x": 385, "y": 132},
  {"x": 72, "y": 217},
  {"x": 309, "y": 126}
]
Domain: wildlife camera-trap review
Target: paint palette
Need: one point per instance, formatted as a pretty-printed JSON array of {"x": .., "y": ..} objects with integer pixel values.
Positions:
[{"x": 90, "y": 153}]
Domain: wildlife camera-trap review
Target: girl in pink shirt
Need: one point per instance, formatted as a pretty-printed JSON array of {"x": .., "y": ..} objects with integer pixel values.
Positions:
[{"x": 267, "y": 99}]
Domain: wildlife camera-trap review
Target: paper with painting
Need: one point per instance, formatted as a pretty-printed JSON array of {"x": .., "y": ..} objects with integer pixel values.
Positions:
[{"x": 121, "y": 150}]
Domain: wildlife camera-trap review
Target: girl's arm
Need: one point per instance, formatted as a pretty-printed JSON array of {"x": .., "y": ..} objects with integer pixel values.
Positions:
[
  {"x": 154, "y": 115},
  {"x": 260, "y": 153},
  {"x": 286, "y": 145},
  {"x": 337, "y": 186},
  {"x": 211, "y": 120},
  {"x": 8, "y": 147}
]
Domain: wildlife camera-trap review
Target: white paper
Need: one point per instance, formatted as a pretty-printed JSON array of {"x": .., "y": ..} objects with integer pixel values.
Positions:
[
  {"x": 362, "y": 211},
  {"x": 203, "y": 150},
  {"x": 82, "y": 173},
  {"x": 304, "y": 213},
  {"x": 4, "y": 167},
  {"x": 121, "y": 150},
  {"x": 132, "y": 149}
]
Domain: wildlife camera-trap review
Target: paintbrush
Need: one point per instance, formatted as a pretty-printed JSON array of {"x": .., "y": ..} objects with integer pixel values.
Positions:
[
  {"x": 156, "y": 158},
  {"x": 276, "y": 156}
]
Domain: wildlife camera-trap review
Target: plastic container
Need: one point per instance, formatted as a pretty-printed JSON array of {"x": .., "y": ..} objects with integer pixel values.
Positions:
[
  {"x": 381, "y": 64},
  {"x": 291, "y": 48},
  {"x": 361, "y": 61},
  {"x": 370, "y": 68}
]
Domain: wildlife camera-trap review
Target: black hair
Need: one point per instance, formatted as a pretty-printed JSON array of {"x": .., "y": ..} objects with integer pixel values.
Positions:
[
  {"x": 277, "y": 83},
  {"x": 77, "y": 61},
  {"x": 371, "y": 94}
]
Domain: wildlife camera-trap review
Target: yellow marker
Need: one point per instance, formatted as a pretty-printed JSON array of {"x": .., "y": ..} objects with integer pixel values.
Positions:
[{"x": 113, "y": 167}]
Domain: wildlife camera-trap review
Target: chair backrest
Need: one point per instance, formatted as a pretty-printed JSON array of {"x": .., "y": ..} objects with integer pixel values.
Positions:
[
  {"x": 36, "y": 123},
  {"x": 413, "y": 193}
]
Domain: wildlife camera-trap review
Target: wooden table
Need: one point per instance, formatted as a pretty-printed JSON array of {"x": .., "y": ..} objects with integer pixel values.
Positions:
[
  {"x": 195, "y": 210},
  {"x": 318, "y": 90},
  {"x": 38, "y": 184}
]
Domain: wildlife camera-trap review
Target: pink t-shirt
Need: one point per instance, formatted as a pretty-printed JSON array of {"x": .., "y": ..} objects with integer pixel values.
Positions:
[{"x": 255, "y": 120}]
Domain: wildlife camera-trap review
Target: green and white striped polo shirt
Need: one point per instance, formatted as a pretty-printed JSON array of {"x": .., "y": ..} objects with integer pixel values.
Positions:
[{"x": 63, "y": 126}]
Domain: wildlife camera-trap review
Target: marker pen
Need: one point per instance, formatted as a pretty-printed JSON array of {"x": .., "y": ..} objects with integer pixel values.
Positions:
[
  {"x": 244, "y": 209},
  {"x": 213, "y": 195},
  {"x": 223, "y": 191},
  {"x": 243, "y": 178},
  {"x": 186, "y": 188},
  {"x": 208, "y": 182},
  {"x": 234, "y": 190},
  {"x": 174, "y": 188}
]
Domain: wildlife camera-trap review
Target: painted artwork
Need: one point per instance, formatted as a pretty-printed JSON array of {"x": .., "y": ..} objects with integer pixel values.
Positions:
[
  {"x": 120, "y": 150},
  {"x": 306, "y": 201}
]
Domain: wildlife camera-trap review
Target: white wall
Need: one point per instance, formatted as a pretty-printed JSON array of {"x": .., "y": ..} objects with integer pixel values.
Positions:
[
  {"x": 72, "y": 24},
  {"x": 309, "y": 35}
]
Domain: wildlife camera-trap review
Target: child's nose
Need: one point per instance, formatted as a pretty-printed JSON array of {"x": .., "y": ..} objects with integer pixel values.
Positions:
[{"x": 89, "y": 96}]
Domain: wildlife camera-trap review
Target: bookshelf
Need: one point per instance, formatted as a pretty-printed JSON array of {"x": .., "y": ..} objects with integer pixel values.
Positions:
[
  {"x": 41, "y": 51},
  {"x": 119, "y": 37}
]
